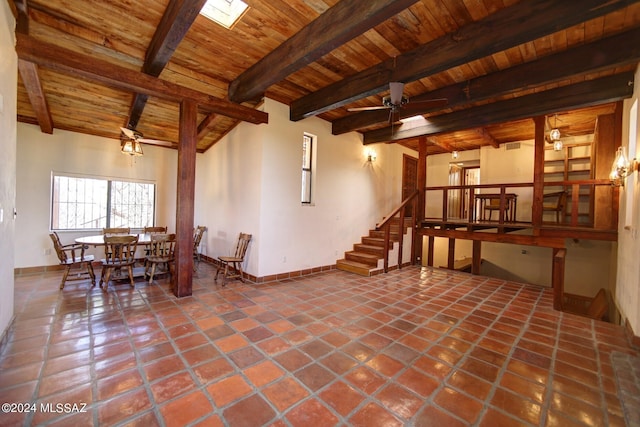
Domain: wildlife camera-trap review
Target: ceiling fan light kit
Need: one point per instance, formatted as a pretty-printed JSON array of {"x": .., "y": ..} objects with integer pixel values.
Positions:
[
  {"x": 396, "y": 100},
  {"x": 131, "y": 147},
  {"x": 130, "y": 144}
]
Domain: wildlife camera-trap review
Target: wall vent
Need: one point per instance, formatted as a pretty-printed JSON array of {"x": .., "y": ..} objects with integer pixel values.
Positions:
[{"x": 512, "y": 146}]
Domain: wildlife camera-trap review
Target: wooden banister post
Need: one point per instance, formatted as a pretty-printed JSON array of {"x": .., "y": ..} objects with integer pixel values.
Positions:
[
  {"x": 538, "y": 174},
  {"x": 421, "y": 200},
  {"x": 557, "y": 279}
]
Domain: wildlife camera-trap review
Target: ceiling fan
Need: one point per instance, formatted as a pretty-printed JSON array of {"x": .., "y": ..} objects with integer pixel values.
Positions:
[
  {"x": 132, "y": 139},
  {"x": 396, "y": 101}
]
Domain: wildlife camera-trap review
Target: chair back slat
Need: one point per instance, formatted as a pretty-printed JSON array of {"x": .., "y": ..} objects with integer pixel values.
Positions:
[
  {"x": 154, "y": 230},
  {"x": 243, "y": 243},
  {"x": 197, "y": 236},
  {"x": 114, "y": 231}
]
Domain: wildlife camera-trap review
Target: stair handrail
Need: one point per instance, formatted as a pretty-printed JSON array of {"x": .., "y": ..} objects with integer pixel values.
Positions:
[{"x": 386, "y": 224}]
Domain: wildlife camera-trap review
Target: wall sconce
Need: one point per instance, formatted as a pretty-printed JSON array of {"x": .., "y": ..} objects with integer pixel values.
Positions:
[
  {"x": 621, "y": 167},
  {"x": 371, "y": 156},
  {"x": 454, "y": 154}
]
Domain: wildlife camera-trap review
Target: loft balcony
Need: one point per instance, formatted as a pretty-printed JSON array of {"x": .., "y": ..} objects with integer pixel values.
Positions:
[{"x": 584, "y": 209}]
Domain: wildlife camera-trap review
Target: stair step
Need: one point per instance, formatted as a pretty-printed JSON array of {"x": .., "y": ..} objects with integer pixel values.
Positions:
[
  {"x": 362, "y": 257},
  {"x": 377, "y": 250},
  {"x": 373, "y": 241},
  {"x": 380, "y": 234},
  {"x": 354, "y": 267}
]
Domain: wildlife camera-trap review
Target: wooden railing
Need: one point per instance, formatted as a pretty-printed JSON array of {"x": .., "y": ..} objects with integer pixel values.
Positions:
[
  {"x": 385, "y": 225},
  {"x": 605, "y": 205}
]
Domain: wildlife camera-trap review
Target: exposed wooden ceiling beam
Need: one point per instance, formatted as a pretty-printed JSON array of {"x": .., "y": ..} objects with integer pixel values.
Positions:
[
  {"x": 21, "y": 13},
  {"x": 31, "y": 80},
  {"x": 435, "y": 141},
  {"x": 339, "y": 24},
  {"x": 611, "y": 52},
  {"x": 206, "y": 124},
  {"x": 486, "y": 137},
  {"x": 176, "y": 21},
  {"x": 580, "y": 95},
  {"x": 524, "y": 21},
  {"x": 64, "y": 60},
  {"x": 29, "y": 73}
]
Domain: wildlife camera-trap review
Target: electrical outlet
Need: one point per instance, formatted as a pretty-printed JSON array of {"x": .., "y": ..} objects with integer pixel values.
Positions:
[
  {"x": 47, "y": 251},
  {"x": 284, "y": 259}
]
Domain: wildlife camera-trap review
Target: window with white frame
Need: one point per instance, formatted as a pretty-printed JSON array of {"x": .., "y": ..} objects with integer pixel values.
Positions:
[
  {"x": 308, "y": 142},
  {"x": 82, "y": 203}
]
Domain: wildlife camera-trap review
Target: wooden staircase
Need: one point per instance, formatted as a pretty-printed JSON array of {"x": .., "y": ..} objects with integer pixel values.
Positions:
[{"x": 365, "y": 256}]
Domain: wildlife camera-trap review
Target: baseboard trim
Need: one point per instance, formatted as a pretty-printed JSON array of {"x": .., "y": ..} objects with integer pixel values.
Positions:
[
  {"x": 258, "y": 280},
  {"x": 279, "y": 276}
]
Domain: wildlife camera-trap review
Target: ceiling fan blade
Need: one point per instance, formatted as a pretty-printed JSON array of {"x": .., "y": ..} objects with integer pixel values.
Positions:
[
  {"x": 128, "y": 133},
  {"x": 156, "y": 142},
  {"x": 380, "y": 107},
  {"x": 430, "y": 103},
  {"x": 395, "y": 92}
]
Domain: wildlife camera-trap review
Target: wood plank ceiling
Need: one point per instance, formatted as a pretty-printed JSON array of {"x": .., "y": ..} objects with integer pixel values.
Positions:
[{"x": 93, "y": 67}]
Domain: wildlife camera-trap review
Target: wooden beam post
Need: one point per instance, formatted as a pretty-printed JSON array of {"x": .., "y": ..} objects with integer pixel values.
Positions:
[
  {"x": 538, "y": 174},
  {"x": 430, "y": 247},
  {"x": 183, "y": 279},
  {"x": 420, "y": 203},
  {"x": 476, "y": 257},
  {"x": 557, "y": 279},
  {"x": 452, "y": 254}
]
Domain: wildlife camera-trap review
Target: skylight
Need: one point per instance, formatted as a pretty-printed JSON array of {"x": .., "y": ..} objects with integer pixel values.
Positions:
[{"x": 224, "y": 12}]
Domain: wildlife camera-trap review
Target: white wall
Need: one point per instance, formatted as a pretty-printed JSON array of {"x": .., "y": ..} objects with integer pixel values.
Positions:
[
  {"x": 248, "y": 182},
  {"x": 40, "y": 154},
  {"x": 251, "y": 181},
  {"x": 8, "y": 111},
  {"x": 628, "y": 279}
]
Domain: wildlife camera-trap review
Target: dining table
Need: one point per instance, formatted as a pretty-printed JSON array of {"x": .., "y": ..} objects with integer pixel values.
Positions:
[
  {"x": 98, "y": 239},
  {"x": 144, "y": 239},
  {"x": 507, "y": 211}
]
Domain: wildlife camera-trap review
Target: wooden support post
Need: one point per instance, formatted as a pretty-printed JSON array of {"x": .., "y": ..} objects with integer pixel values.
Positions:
[
  {"x": 557, "y": 280},
  {"x": 452, "y": 254},
  {"x": 420, "y": 203},
  {"x": 387, "y": 246},
  {"x": 183, "y": 279},
  {"x": 538, "y": 174},
  {"x": 476, "y": 259},
  {"x": 431, "y": 241}
]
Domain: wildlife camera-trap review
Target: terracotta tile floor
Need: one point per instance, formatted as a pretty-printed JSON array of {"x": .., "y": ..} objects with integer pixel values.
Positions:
[{"x": 419, "y": 347}]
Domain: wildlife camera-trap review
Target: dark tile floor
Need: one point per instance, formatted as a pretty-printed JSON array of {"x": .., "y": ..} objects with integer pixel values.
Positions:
[{"x": 419, "y": 347}]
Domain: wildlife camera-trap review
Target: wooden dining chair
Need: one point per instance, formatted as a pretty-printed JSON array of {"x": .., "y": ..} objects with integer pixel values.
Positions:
[
  {"x": 120, "y": 254},
  {"x": 235, "y": 261},
  {"x": 494, "y": 206},
  {"x": 72, "y": 256},
  {"x": 161, "y": 253},
  {"x": 555, "y": 202},
  {"x": 151, "y": 231},
  {"x": 198, "y": 232}
]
